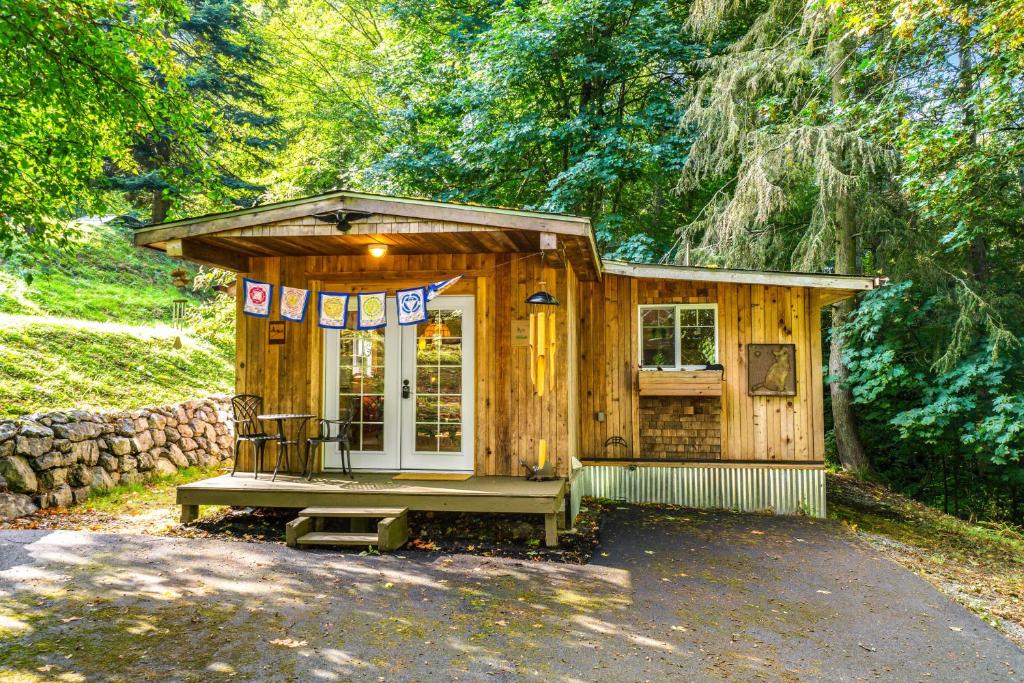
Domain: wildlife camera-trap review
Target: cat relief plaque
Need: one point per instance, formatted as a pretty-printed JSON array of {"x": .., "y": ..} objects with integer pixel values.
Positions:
[{"x": 771, "y": 369}]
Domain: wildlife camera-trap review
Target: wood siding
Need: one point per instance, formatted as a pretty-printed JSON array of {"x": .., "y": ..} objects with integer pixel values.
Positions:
[
  {"x": 509, "y": 419},
  {"x": 759, "y": 428}
]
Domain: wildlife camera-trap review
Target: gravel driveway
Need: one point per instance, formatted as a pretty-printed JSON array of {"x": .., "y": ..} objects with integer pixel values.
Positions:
[{"x": 670, "y": 596}]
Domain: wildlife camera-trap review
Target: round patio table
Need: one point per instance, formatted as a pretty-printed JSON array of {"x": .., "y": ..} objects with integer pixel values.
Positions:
[{"x": 283, "y": 443}]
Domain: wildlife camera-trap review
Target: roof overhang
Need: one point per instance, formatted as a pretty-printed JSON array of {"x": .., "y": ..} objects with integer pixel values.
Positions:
[
  {"x": 833, "y": 287},
  {"x": 345, "y": 222}
]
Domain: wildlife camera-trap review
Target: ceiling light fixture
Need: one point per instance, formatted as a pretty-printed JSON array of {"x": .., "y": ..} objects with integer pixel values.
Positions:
[{"x": 377, "y": 250}]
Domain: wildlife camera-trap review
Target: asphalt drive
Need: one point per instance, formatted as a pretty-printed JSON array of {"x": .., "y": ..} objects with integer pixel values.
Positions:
[{"x": 670, "y": 596}]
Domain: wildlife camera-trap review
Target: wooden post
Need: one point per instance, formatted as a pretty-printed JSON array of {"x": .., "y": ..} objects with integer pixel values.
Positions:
[
  {"x": 189, "y": 513},
  {"x": 392, "y": 533},
  {"x": 551, "y": 529}
]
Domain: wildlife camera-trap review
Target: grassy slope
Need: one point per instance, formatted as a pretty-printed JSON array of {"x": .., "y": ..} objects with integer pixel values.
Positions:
[
  {"x": 51, "y": 357},
  {"x": 979, "y": 566}
]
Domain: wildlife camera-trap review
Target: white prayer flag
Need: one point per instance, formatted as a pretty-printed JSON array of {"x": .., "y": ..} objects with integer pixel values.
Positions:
[
  {"x": 412, "y": 305},
  {"x": 257, "y": 297},
  {"x": 294, "y": 302},
  {"x": 333, "y": 310},
  {"x": 372, "y": 310}
]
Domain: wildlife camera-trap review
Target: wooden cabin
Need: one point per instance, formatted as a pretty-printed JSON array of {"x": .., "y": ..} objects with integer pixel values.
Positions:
[{"x": 694, "y": 386}]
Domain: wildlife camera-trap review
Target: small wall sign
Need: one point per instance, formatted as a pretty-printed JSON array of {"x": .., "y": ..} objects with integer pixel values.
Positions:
[
  {"x": 771, "y": 369},
  {"x": 520, "y": 333},
  {"x": 276, "y": 332}
]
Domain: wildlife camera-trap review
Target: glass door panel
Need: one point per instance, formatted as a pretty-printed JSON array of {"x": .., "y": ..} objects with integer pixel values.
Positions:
[
  {"x": 362, "y": 375},
  {"x": 361, "y": 370},
  {"x": 426, "y": 427},
  {"x": 438, "y": 412},
  {"x": 437, "y": 418}
]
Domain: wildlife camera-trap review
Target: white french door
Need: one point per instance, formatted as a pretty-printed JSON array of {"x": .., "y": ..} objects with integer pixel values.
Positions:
[{"x": 411, "y": 387}]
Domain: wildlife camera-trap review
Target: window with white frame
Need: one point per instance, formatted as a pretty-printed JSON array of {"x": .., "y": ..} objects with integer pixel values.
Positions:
[{"x": 678, "y": 337}]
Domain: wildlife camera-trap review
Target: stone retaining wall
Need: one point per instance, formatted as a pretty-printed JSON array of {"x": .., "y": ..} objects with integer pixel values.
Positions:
[{"x": 57, "y": 459}]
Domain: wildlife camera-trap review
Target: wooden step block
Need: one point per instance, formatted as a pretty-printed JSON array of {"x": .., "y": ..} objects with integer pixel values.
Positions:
[
  {"x": 296, "y": 528},
  {"x": 353, "y": 512},
  {"x": 392, "y": 533},
  {"x": 337, "y": 538}
]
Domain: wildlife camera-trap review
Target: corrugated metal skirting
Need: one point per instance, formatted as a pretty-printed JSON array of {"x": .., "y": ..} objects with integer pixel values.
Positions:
[{"x": 748, "y": 489}]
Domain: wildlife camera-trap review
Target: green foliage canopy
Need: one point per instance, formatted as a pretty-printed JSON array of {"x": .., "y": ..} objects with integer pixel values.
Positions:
[
  {"x": 74, "y": 89},
  {"x": 563, "y": 106},
  {"x": 221, "y": 55}
]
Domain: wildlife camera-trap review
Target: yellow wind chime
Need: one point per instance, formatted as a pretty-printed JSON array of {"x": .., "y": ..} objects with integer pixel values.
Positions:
[
  {"x": 542, "y": 350},
  {"x": 543, "y": 335},
  {"x": 542, "y": 371}
]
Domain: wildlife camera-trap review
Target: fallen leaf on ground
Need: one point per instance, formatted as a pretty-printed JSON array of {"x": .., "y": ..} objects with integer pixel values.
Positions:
[{"x": 288, "y": 642}]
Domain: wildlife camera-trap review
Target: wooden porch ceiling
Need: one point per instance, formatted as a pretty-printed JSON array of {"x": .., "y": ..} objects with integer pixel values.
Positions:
[{"x": 407, "y": 227}]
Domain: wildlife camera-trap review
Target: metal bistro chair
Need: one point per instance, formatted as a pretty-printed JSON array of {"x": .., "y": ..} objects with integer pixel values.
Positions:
[
  {"x": 332, "y": 431},
  {"x": 245, "y": 408}
]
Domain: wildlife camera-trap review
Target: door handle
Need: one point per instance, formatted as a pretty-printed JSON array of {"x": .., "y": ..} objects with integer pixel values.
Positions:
[{"x": 406, "y": 391}]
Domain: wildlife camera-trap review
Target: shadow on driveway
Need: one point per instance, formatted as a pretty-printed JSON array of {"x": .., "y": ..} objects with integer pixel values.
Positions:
[{"x": 672, "y": 596}]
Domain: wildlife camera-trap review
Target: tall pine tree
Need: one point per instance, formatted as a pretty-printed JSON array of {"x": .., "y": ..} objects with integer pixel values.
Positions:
[
  {"x": 797, "y": 185},
  {"x": 222, "y": 56}
]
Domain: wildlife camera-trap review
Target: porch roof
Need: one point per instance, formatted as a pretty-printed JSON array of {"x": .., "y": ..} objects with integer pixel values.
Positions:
[
  {"x": 835, "y": 287},
  {"x": 345, "y": 222}
]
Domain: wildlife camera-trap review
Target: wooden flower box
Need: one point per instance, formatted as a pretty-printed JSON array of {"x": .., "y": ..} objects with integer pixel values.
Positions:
[{"x": 680, "y": 382}]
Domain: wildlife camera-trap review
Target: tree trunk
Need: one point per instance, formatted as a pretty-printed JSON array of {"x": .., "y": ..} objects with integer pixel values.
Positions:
[
  {"x": 979, "y": 258},
  {"x": 978, "y": 255},
  {"x": 844, "y": 420},
  {"x": 160, "y": 206}
]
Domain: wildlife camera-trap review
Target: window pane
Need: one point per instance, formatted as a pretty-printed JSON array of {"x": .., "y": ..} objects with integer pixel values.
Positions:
[
  {"x": 658, "y": 337},
  {"x": 426, "y": 408},
  {"x": 373, "y": 381},
  {"x": 450, "y": 352},
  {"x": 373, "y": 409},
  {"x": 361, "y": 384},
  {"x": 449, "y": 438},
  {"x": 697, "y": 345},
  {"x": 426, "y": 437},
  {"x": 449, "y": 408},
  {"x": 373, "y": 437},
  {"x": 345, "y": 382},
  {"x": 688, "y": 317},
  {"x": 450, "y": 380}
]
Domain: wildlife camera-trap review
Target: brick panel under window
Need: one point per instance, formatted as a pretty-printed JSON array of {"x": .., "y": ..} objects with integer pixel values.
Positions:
[{"x": 680, "y": 428}]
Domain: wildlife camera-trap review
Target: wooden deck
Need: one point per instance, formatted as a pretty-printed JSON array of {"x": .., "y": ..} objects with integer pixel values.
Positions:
[{"x": 476, "y": 494}]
